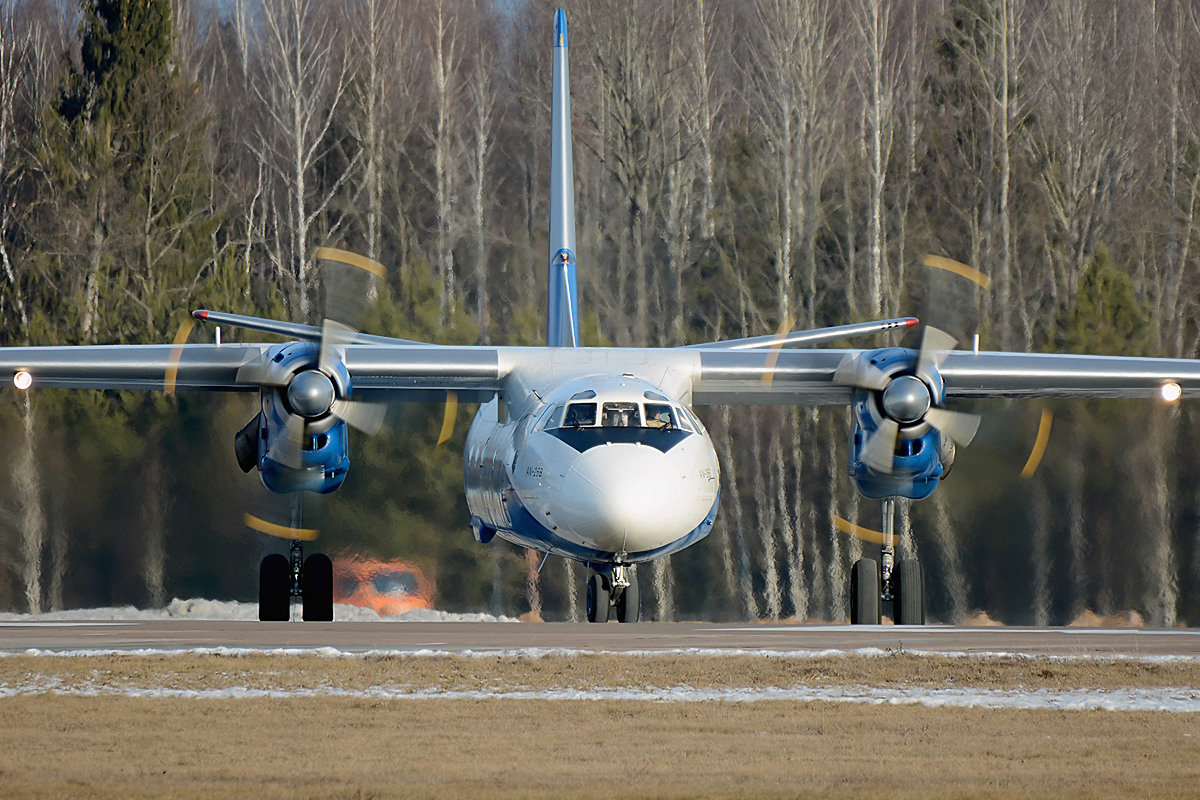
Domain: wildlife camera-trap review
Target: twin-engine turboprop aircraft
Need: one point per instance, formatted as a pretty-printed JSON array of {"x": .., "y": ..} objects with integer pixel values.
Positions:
[{"x": 594, "y": 454}]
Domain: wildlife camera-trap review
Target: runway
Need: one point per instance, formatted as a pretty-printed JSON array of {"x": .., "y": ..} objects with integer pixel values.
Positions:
[{"x": 531, "y": 638}]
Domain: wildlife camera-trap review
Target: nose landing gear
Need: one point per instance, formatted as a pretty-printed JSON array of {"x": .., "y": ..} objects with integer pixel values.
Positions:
[
  {"x": 613, "y": 594},
  {"x": 902, "y": 583}
]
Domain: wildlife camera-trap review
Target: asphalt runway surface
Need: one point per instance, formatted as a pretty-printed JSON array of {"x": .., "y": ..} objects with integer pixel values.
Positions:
[{"x": 463, "y": 637}]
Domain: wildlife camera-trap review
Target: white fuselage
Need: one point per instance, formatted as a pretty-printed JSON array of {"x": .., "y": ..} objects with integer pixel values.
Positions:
[{"x": 605, "y": 470}]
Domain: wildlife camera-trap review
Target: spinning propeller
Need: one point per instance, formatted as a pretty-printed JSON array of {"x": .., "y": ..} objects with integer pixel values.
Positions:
[
  {"x": 315, "y": 394},
  {"x": 305, "y": 392},
  {"x": 906, "y": 399}
]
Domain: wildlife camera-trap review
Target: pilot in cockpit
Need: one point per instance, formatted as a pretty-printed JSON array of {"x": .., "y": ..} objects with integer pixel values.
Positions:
[
  {"x": 658, "y": 416},
  {"x": 579, "y": 415}
]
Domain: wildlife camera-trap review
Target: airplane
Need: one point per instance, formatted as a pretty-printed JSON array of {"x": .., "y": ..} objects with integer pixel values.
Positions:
[{"x": 594, "y": 453}]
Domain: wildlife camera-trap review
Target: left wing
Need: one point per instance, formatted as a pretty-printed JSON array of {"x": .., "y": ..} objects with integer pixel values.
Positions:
[{"x": 805, "y": 377}]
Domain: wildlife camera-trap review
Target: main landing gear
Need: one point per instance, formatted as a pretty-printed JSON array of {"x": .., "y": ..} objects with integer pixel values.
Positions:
[
  {"x": 280, "y": 578},
  {"x": 902, "y": 583},
  {"x": 614, "y": 594}
]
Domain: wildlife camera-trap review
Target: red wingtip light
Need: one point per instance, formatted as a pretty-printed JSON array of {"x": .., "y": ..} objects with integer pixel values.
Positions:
[
  {"x": 22, "y": 380},
  {"x": 200, "y": 314},
  {"x": 911, "y": 321}
]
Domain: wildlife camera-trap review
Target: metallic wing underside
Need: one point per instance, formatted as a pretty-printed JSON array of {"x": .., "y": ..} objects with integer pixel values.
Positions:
[
  {"x": 806, "y": 377},
  {"x": 412, "y": 372},
  {"x": 730, "y": 376}
]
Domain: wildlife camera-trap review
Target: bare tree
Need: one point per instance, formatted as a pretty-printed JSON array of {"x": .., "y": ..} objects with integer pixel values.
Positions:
[
  {"x": 1177, "y": 44},
  {"x": 11, "y": 55},
  {"x": 1081, "y": 140},
  {"x": 443, "y": 33},
  {"x": 705, "y": 95},
  {"x": 301, "y": 81},
  {"x": 376, "y": 36},
  {"x": 632, "y": 49},
  {"x": 878, "y": 74},
  {"x": 789, "y": 82},
  {"x": 482, "y": 90}
]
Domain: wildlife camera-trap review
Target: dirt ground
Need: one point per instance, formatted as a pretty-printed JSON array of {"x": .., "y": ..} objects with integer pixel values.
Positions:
[
  {"x": 326, "y": 747},
  {"x": 109, "y": 745}
]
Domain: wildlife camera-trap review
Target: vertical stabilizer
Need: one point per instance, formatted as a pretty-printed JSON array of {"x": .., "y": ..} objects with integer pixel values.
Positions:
[{"x": 562, "y": 312}]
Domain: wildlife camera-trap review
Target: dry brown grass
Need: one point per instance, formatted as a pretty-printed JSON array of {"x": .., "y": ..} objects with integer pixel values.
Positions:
[
  {"x": 116, "y": 746},
  {"x": 263, "y": 671},
  {"x": 299, "y": 748}
]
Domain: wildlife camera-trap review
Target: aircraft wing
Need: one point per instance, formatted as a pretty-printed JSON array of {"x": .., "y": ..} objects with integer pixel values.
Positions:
[
  {"x": 805, "y": 377},
  {"x": 731, "y": 376},
  {"x": 990, "y": 374},
  {"x": 405, "y": 372}
]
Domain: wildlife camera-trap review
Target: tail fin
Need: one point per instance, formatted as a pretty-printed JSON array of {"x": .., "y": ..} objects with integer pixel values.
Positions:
[{"x": 562, "y": 312}]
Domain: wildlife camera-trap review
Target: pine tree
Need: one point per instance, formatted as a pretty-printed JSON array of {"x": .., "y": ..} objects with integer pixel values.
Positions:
[{"x": 127, "y": 255}]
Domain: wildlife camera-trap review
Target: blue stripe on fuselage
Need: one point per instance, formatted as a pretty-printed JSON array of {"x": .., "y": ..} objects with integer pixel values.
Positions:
[{"x": 527, "y": 531}]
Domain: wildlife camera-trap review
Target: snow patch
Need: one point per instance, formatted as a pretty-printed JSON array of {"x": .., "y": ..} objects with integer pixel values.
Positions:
[
  {"x": 220, "y": 610},
  {"x": 1170, "y": 700}
]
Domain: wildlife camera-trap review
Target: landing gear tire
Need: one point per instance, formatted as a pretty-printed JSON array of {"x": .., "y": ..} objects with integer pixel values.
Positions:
[
  {"x": 598, "y": 598},
  {"x": 629, "y": 603},
  {"x": 274, "y": 589},
  {"x": 316, "y": 581},
  {"x": 908, "y": 592},
  {"x": 865, "y": 602}
]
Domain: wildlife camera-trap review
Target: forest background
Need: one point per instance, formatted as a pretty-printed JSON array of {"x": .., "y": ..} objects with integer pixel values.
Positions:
[{"x": 739, "y": 163}]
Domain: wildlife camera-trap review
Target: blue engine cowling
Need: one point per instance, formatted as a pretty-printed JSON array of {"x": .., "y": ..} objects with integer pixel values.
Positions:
[
  {"x": 320, "y": 464},
  {"x": 923, "y": 455}
]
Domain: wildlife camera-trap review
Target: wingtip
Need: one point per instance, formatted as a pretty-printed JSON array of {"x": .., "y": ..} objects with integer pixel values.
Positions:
[
  {"x": 910, "y": 322},
  {"x": 560, "y": 28},
  {"x": 200, "y": 314}
]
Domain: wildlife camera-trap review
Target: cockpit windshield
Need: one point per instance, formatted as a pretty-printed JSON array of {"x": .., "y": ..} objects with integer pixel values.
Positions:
[
  {"x": 621, "y": 415},
  {"x": 579, "y": 415}
]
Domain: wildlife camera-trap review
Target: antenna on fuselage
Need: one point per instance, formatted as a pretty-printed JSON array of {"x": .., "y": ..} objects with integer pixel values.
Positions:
[{"x": 562, "y": 308}]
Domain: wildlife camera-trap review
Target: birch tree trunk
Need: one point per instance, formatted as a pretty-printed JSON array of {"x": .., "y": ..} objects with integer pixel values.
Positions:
[{"x": 301, "y": 83}]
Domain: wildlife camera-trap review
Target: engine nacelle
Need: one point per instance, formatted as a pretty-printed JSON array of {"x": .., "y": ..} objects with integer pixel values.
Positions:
[
  {"x": 920, "y": 460},
  {"x": 314, "y": 454}
]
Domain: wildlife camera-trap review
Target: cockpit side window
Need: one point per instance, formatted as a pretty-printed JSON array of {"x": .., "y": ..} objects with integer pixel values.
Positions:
[
  {"x": 549, "y": 418},
  {"x": 580, "y": 415},
  {"x": 621, "y": 415},
  {"x": 681, "y": 419},
  {"x": 660, "y": 415}
]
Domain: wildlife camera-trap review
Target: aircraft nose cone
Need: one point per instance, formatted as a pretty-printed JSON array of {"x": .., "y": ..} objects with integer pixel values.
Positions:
[{"x": 630, "y": 498}]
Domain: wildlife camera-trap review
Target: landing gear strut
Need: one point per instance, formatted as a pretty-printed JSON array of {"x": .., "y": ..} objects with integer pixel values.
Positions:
[
  {"x": 902, "y": 583},
  {"x": 281, "y": 578},
  {"x": 614, "y": 593}
]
